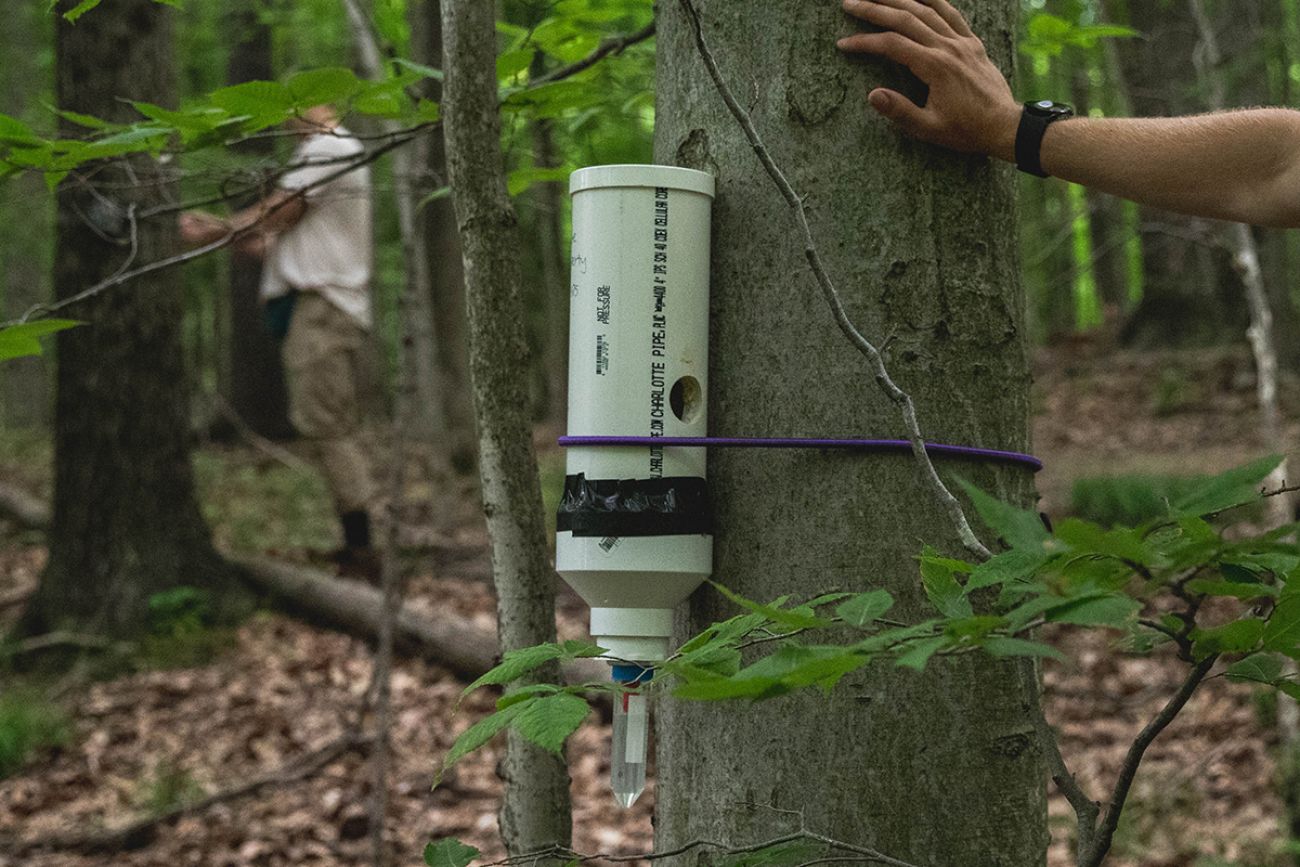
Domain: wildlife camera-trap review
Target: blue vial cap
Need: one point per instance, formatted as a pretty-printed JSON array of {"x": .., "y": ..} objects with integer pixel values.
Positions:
[{"x": 631, "y": 674}]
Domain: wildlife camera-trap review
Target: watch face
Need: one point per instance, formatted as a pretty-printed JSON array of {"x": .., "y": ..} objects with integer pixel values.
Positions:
[{"x": 1047, "y": 108}]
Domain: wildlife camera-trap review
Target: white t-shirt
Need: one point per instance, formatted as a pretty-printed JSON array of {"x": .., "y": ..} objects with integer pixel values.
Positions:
[{"x": 329, "y": 249}]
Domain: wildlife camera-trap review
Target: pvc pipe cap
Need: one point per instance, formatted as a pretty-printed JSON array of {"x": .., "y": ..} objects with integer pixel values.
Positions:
[{"x": 672, "y": 177}]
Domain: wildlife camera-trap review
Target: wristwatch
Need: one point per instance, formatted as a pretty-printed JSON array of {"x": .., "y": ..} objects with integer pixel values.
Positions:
[{"x": 1034, "y": 121}]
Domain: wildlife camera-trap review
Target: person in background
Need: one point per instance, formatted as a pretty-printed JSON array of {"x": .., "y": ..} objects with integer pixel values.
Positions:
[
  {"x": 1237, "y": 165},
  {"x": 314, "y": 233}
]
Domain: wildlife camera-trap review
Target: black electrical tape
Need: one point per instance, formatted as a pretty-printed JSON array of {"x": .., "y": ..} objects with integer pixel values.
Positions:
[{"x": 600, "y": 508}]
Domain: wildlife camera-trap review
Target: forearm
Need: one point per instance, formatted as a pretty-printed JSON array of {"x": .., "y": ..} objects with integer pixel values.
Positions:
[
  {"x": 1242, "y": 165},
  {"x": 276, "y": 213}
]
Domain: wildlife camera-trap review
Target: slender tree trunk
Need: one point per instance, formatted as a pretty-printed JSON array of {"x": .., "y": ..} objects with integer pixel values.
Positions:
[
  {"x": 938, "y": 768},
  {"x": 1245, "y": 253},
  {"x": 1191, "y": 292},
  {"x": 427, "y": 419},
  {"x": 24, "y": 250},
  {"x": 125, "y": 521},
  {"x": 535, "y": 812},
  {"x": 1105, "y": 213},
  {"x": 446, "y": 273},
  {"x": 549, "y": 200},
  {"x": 255, "y": 387}
]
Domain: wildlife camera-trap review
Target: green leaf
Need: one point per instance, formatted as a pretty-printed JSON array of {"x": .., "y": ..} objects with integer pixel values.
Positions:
[
  {"x": 479, "y": 734},
  {"x": 1020, "y": 528},
  {"x": 968, "y": 629},
  {"x": 86, "y": 120},
  {"x": 778, "y": 855},
  {"x": 516, "y": 663},
  {"x": 1282, "y": 633},
  {"x": 940, "y": 582},
  {"x": 801, "y": 617},
  {"x": 791, "y": 667},
  {"x": 722, "y": 659},
  {"x": 330, "y": 84},
  {"x": 449, "y": 853},
  {"x": 265, "y": 103},
  {"x": 1289, "y": 687},
  {"x": 1235, "y": 487},
  {"x": 1085, "y": 537},
  {"x": 1240, "y": 636},
  {"x": 865, "y": 608},
  {"x": 1257, "y": 668},
  {"x": 511, "y": 63},
  {"x": 19, "y": 341},
  {"x": 1002, "y": 647},
  {"x": 80, "y": 9},
  {"x": 1007, "y": 567},
  {"x": 521, "y": 180},
  {"x": 1096, "y": 611},
  {"x": 549, "y": 721},
  {"x": 889, "y": 639},
  {"x": 515, "y": 696},
  {"x": 918, "y": 655}
]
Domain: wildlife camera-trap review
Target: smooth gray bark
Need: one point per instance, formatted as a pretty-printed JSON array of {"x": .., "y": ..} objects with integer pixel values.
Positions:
[
  {"x": 940, "y": 768},
  {"x": 408, "y": 169},
  {"x": 535, "y": 812}
]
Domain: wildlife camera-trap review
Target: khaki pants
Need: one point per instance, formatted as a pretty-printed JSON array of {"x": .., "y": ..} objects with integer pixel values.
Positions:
[{"x": 324, "y": 355}]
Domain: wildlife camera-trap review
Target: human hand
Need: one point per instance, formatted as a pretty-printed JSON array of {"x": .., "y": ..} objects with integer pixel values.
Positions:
[
  {"x": 970, "y": 108},
  {"x": 200, "y": 227}
]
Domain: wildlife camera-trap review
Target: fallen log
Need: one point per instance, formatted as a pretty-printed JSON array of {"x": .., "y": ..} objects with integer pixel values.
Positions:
[
  {"x": 356, "y": 608},
  {"x": 343, "y": 604}
]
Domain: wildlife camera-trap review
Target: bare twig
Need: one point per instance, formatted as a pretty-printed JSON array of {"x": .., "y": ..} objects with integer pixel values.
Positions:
[
  {"x": 875, "y": 360},
  {"x": 616, "y": 45}
]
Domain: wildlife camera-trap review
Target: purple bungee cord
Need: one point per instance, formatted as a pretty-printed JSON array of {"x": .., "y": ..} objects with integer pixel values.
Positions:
[{"x": 972, "y": 452}]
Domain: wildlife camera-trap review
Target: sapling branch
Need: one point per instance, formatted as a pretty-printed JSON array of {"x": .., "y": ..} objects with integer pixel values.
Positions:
[
  {"x": 868, "y": 349},
  {"x": 1105, "y": 829}
]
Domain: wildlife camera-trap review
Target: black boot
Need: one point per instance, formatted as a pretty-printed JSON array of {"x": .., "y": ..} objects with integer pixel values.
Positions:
[
  {"x": 357, "y": 558},
  {"x": 356, "y": 529}
]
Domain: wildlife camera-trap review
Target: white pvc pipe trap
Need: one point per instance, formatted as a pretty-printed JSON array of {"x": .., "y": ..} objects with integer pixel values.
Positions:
[{"x": 634, "y": 532}]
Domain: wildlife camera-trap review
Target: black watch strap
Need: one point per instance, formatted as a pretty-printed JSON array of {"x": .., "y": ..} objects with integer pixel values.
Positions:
[{"x": 1034, "y": 121}]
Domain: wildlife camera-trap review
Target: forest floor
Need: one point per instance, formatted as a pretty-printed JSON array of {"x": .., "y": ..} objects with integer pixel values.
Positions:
[{"x": 276, "y": 688}]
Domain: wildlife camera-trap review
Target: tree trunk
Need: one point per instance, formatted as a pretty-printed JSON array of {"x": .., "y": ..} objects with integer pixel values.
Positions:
[
  {"x": 256, "y": 389},
  {"x": 125, "y": 521},
  {"x": 446, "y": 274},
  {"x": 1191, "y": 294},
  {"x": 409, "y": 162},
  {"x": 547, "y": 200},
  {"x": 24, "y": 249},
  {"x": 939, "y": 768},
  {"x": 535, "y": 813}
]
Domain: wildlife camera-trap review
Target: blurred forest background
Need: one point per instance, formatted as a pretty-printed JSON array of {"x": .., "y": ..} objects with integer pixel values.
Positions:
[{"x": 1146, "y": 380}]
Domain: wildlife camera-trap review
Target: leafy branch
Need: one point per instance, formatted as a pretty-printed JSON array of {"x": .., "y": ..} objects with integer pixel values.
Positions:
[{"x": 1153, "y": 584}]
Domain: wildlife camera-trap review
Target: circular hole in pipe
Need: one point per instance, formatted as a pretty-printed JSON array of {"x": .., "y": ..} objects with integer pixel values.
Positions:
[{"x": 686, "y": 399}]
